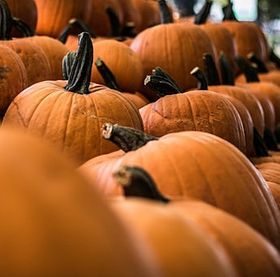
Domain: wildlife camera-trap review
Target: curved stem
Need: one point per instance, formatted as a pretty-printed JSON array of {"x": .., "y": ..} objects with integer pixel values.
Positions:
[
  {"x": 226, "y": 70},
  {"x": 228, "y": 12},
  {"x": 74, "y": 26},
  {"x": 249, "y": 71},
  {"x": 106, "y": 74},
  {"x": 203, "y": 14},
  {"x": 274, "y": 58},
  {"x": 77, "y": 66},
  {"x": 270, "y": 140},
  {"x": 200, "y": 77},
  {"x": 6, "y": 21},
  {"x": 165, "y": 13},
  {"x": 126, "y": 138},
  {"x": 23, "y": 27},
  {"x": 210, "y": 70},
  {"x": 259, "y": 145},
  {"x": 114, "y": 22},
  {"x": 136, "y": 182},
  {"x": 261, "y": 67},
  {"x": 162, "y": 83}
]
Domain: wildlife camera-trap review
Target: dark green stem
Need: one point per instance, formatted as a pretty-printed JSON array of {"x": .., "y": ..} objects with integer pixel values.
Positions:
[
  {"x": 126, "y": 138},
  {"x": 23, "y": 27},
  {"x": 200, "y": 77},
  {"x": 270, "y": 140},
  {"x": 248, "y": 70},
  {"x": 165, "y": 14},
  {"x": 106, "y": 74},
  {"x": 259, "y": 145},
  {"x": 136, "y": 182},
  {"x": 203, "y": 14},
  {"x": 274, "y": 58},
  {"x": 210, "y": 70},
  {"x": 6, "y": 21},
  {"x": 75, "y": 26},
  {"x": 114, "y": 22},
  {"x": 261, "y": 67},
  {"x": 226, "y": 70},
  {"x": 228, "y": 12},
  {"x": 77, "y": 66},
  {"x": 162, "y": 83},
  {"x": 129, "y": 30}
]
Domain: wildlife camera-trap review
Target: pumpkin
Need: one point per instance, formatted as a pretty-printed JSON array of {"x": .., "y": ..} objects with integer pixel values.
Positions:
[
  {"x": 110, "y": 81},
  {"x": 54, "y": 223},
  {"x": 192, "y": 111},
  {"x": 24, "y": 10},
  {"x": 179, "y": 247},
  {"x": 218, "y": 225},
  {"x": 53, "y": 15},
  {"x": 30, "y": 54},
  {"x": 13, "y": 77},
  {"x": 182, "y": 44},
  {"x": 190, "y": 164},
  {"x": 70, "y": 114}
]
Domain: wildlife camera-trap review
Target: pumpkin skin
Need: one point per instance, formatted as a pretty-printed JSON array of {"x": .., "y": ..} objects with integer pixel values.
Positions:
[
  {"x": 53, "y": 222},
  {"x": 255, "y": 256},
  {"x": 70, "y": 120},
  {"x": 155, "y": 44},
  {"x": 195, "y": 111},
  {"x": 53, "y": 15},
  {"x": 189, "y": 164},
  {"x": 25, "y": 10},
  {"x": 13, "y": 77},
  {"x": 122, "y": 61},
  {"x": 249, "y": 100},
  {"x": 182, "y": 256}
]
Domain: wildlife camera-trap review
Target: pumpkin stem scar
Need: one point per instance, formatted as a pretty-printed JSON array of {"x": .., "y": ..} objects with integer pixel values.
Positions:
[
  {"x": 249, "y": 71},
  {"x": 3, "y": 72},
  {"x": 226, "y": 70},
  {"x": 260, "y": 65},
  {"x": 202, "y": 15},
  {"x": 6, "y": 21},
  {"x": 106, "y": 74},
  {"x": 161, "y": 83},
  {"x": 210, "y": 69},
  {"x": 165, "y": 13},
  {"x": 128, "y": 139},
  {"x": 199, "y": 75},
  {"x": 77, "y": 66},
  {"x": 136, "y": 182}
]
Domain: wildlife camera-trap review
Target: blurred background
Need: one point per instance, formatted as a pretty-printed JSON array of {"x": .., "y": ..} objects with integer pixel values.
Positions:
[{"x": 265, "y": 12}]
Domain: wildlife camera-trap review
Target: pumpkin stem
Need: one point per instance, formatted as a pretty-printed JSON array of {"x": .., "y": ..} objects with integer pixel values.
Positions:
[
  {"x": 165, "y": 14},
  {"x": 6, "y": 21},
  {"x": 77, "y": 66},
  {"x": 74, "y": 26},
  {"x": 200, "y": 77},
  {"x": 261, "y": 67},
  {"x": 129, "y": 30},
  {"x": 126, "y": 138},
  {"x": 136, "y": 182},
  {"x": 114, "y": 22},
  {"x": 23, "y": 27},
  {"x": 106, "y": 74},
  {"x": 259, "y": 145},
  {"x": 248, "y": 70},
  {"x": 202, "y": 15},
  {"x": 210, "y": 70},
  {"x": 226, "y": 71},
  {"x": 274, "y": 58},
  {"x": 270, "y": 140},
  {"x": 161, "y": 83},
  {"x": 277, "y": 133},
  {"x": 228, "y": 12}
]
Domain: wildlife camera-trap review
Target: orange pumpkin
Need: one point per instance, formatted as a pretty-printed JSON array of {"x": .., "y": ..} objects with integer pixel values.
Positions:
[{"x": 70, "y": 114}]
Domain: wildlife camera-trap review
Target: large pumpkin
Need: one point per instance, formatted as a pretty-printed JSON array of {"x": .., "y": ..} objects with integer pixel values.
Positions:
[
  {"x": 198, "y": 165},
  {"x": 53, "y": 223},
  {"x": 70, "y": 114}
]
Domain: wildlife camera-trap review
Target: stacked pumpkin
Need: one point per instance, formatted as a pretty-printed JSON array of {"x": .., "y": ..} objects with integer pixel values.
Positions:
[{"x": 208, "y": 204}]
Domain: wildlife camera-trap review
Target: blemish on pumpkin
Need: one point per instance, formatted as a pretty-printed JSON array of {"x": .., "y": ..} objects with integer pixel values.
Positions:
[{"x": 3, "y": 72}]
